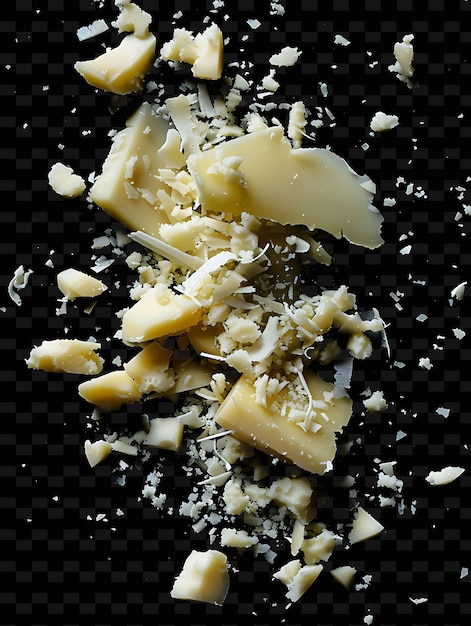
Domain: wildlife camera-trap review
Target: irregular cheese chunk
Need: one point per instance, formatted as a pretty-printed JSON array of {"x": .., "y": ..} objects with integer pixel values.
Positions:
[
  {"x": 204, "y": 578},
  {"x": 274, "y": 433},
  {"x": 120, "y": 70},
  {"x": 159, "y": 313},
  {"x": 344, "y": 574},
  {"x": 71, "y": 356},
  {"x": 237, "y": 538},
  {"x": 128, "y": 188},
  {"x": 132, "y": 19},
  {"x": 381, "y": 122},
  {"x": 296, "y": 494},
  {"x": 65, "y": 182},
  {"x": 364, "y": 526},
  {"x": 286, "y": 57},
  {"x": 376, "y": 402},
  {"x": 319, "y": 547},
  {"x": 404, "y": 53},
  {"x": 150, "y": 369},
  {"x": 74, "y": 284},
  {"x": 298, "y": 578},
  {"x": 320, "y": 188},
  {"x": 444, "y": 476},
  {"x": 110, "y": 391},
  {"x": 165, "y": 433},
  {"x": 204, "y": 52},
  {"x": 97, "y": 451}
]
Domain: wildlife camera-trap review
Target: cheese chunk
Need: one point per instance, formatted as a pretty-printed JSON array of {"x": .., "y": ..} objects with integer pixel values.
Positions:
[
  {"x": 319, "y": 547},
  {"x": 110, "y": 391},
  {"x": 97, "y": 451},
  {"x": 76, "y": 284},
  {"x": 272, "y": 432},
  {"x": 319, "y": 187},
  {"x": 204, "y": 578},
  {"x": 65, "y": 182},
  {"x": 444, "y": 476},
  {"x": 296, "y": 494},
  {"x": 298, "y": 578},
  {"x": 128, "y": 188},
  {"x": 71, "y": 356},
  {"x": 165, "y": 433},
  {"x": 344, "y": 574},
  {"x": 120, "y": 70},
  {"x": 364, "y": 526},
  {"x": 204, "y": 52},
  {"x": 159, "y": 313},
  {"x": 149, "y": 369}
]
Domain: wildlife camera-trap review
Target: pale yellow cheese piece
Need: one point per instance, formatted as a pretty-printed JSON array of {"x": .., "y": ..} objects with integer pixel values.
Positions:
[
  {"x": 64, "y": 181},
  {"x": 110, "y": 391},
  {"x": 296, "y": 494},
  {"x": 298, "y": 578},
  {"x": 364, "y": 526},
  {"x": 204, "y": 578},
  {"x": 72, "y": 356},
  {"x": 204, "y": 52},
  {"x": 273, "y": 433},
  {"x": 74, "y": 284},
  {"x": 191, "y": 374},
  {"x": 165, "y": 433},
  {"x": 97, "y": 451},
  {"x": 309, "y": 186},
  {"x": 128, "y": 187},
  {"x": 344, "y": 574},
  {"x": 159, "y": 313},
  {"x": 319, "y": 547},
  {"x": 120, "y": 70},
  {"x": 149, "y": 369}
]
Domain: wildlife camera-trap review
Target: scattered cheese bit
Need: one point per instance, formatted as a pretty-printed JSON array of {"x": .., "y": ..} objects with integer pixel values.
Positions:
[
  {"x": 286, "y": 57},
  {"x": 204, "y": 578},
  {"x": 381, "y": 122},
  {"x": 71, "y": 356},
  {"x": 404, "y": 53},
  {"x": 364, "y": 526},
  {"x": 444, "y": 476},
  {"x": 376, "y": 402},
  {"x": 18, "y": 281},
  {"x": 64, "y": 182}
]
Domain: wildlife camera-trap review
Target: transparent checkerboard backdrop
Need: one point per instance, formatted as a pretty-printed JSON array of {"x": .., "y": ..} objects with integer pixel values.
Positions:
[{"x": 69, "y": 564}]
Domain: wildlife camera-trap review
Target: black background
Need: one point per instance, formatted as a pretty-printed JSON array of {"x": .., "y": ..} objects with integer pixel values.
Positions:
[{"x": 67, "y": 564}]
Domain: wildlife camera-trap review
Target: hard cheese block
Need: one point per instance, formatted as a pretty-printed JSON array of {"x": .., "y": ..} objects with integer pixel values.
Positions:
[{"x": 272, "y": 431}]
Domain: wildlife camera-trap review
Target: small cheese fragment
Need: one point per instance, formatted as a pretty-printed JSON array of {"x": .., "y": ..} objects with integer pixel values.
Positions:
[
  {"x": 344, "y": 574},
  {"x": 128, "y": 188},
  {"x": 165, "y": 433},
  {"x": 120, "y": 70},
  {"x": 376, "y": 402},
  {"x": 381, "y": 122},
  {"x": 320, "y": 188},
  {"x": 364, "y": 526},
  {"x": 72, "y": 356},
  {"x": 298, "y": 578},
  {"x": 150, "y": 369},
  {"x": 65, "y": 182},
  {"x": 204, "y": 52},
  {"x": 97, "y": 451},
  {"x": 444, "y": 476},
  {"x": 404, "y": 53},
  {"x": 204, "y": 578},
  {"x": 319, "y": 547},
  {"x": 273, "y": 433},
  {"x": 159, "y": 313},
  {"x": 74, "y": 284},
  {"x": 110, "y": 391},
  {"x": 296, "y": 494},
  {"x": 286, "y": 57},
  {"x": 237, "y": 539}
]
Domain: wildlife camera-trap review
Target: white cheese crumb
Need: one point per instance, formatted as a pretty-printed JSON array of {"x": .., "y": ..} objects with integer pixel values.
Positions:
[
  {"x": 381, "y": 122},
  {"x": 286, "y": 57},
  {"x": 444, "y": 476},
  {"x": 19, "y": 281},
  {"x": 341, "y": 40},
  {"x": 92, "y": 30},
  {"x": 64, "y": 182},
  {"x": 376, "y": 402}
]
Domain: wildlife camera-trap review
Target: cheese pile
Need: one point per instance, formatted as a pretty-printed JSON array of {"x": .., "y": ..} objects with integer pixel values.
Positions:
[{"x": 226, "y": 213}]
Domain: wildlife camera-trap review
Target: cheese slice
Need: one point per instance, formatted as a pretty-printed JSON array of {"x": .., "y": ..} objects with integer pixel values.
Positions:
[
  {"x": 120, "y": 70},
  {"x": 128, "y": 187},
  {"x": 309, "y": 186},
  {"x": 273, "y": 433}
]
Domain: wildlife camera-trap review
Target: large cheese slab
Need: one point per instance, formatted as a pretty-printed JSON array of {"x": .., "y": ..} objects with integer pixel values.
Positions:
[{"x": 261, "y": 174}]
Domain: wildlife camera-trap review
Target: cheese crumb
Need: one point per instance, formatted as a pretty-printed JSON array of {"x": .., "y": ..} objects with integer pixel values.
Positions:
[{"x": 65, "y": 182}]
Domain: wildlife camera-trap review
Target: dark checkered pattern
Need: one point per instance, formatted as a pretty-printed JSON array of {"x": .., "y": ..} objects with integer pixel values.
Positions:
[{"x": 69, "y": 565}]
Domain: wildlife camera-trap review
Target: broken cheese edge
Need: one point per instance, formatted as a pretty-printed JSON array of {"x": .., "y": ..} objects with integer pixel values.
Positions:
[
  {"x": 120, "y": 70},
  {"x": 203, "y": 578},
  {"x": 74, "y": 284},
  {"x": 71, "y": 356},
  {"x": 272, "y": 433}
]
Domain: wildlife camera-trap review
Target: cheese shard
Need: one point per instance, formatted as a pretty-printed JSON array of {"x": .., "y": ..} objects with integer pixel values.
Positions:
[
  {"x": 364, "y": 526},
  {"x": 204, "y": 578},
  {"x": 64, "y": 181},
  {"x": 159, "y": 313},
  {"x": 74, "y": 284},
  {"x": 120, "y": 70},
  {"x": 72, "y": 356},
  {"x": 97, "y": 451},
  {"x": 309, "y": 186},
  {"x": 149, "y": 369},
  {"x": 204, "y": 52},
  {"x": 444, "y": 476},
  {"x": 404, "y": 54},
  {"x": 272, "y": 432},
  {"x": 128, "y": 188},
  {"x": 165, "y": 433},
  {"x": 110, "y": 391},
  {"x": 344, "y": 574}
]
